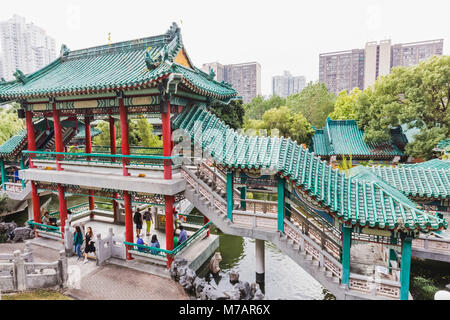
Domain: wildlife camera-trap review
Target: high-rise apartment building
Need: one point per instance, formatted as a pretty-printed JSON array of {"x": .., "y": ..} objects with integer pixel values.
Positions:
[
  {"x": 342, "y": 70},
  {"x": 24, "y": 46},
  {"x": 345, "y": 70},
  {"x": 287, "y": 84},
  {"x": 244, "y": 77}
]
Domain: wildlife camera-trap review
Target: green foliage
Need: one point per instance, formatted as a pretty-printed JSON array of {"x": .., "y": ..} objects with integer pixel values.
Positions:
[
  {"x": 417, "y": 96},
  {"x": 140, "y": 133},
  {"x": 315, "y": 102},
  {"x": 424, "y": 289},
  {"x": 346, "y": 165},
  {"x": 10, "y": 124},
  {"x": 288, "y": 124},
  {"x": 232, "y": 114},
  {"x": 259, "y": 105},
  {"x": 344, "y": 108}
]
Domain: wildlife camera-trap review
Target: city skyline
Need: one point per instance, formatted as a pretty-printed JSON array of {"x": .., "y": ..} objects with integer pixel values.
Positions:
[{"x": 76, "y": 25}]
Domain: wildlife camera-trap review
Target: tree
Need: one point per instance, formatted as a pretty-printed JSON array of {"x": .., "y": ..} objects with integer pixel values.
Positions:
[
  {"x": 345, "y": 105},
  {"x": 10, "y": 124},
  {"x": 232, "y": 114},
  {"x": 259, "y": 105},
  {"x": 418, "y": 97},
  {"x": 140, "y": 133},
  {"x": 289, "y": 125},
  {"x": 315, "y": 102}
]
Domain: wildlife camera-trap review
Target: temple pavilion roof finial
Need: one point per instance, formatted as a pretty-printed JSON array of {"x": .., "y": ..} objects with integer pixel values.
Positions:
[
  {"x": 20, "y": 76},
  {"x": 173, "y": 30},
  {"x": 64, "y": 52},
  {"x": 212, "y": 74}
]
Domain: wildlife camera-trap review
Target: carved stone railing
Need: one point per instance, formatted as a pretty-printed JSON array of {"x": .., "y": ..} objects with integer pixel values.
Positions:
[
  {"x": 375, "y": 287},
  {"x": 255, "y": 220},
  {"x": 432, "y": 244},
  {"x": 308, "y": 245}
]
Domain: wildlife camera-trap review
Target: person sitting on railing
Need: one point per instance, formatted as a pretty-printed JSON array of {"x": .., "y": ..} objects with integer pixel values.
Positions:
[
  {"x": 141, "y": 242},
  {"x": 45, "y": 217},
  {"x": 183, "y": 235},
  {"x": 154, "y": 244},
  {"x": 53, "y": 222}
]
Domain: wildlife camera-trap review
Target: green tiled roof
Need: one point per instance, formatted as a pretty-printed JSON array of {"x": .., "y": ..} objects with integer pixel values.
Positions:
[
  {"x": 431, "y": 164},
  {"x": 133, "y": 64},
  {"x": 359, "y": 202},
  {"x": 81, "y": 132},
  {"x": 343, "y": 137},
  {"x": 417, "y": 181},
  {"x": 11, "y": 145},
  {"x": 444, "y": 144}
]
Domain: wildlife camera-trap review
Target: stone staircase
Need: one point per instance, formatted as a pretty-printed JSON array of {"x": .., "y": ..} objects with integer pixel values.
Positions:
[{"x": 285, "y": 243}]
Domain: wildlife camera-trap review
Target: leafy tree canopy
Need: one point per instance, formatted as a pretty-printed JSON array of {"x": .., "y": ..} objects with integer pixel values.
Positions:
[
  {"x": 259, "y": 105},
  {"x": 232, "y": 114},
  {"x": 287, "y": 124},
  {"x": 417, "y": 96},
  {"x": 315, "y": 102},
  {"x": 344, "y": 108},
  {"x": 10, "y": 124}
]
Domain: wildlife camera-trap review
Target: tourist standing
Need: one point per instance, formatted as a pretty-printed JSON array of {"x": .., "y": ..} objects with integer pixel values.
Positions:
[
  {"x": 89, "y": 247},
  {"x": 183, "y": 235},
  {"x": 138, "y": 221},
  {"x": 78, "y": 241},
  {"x": 148, "y": 220}
]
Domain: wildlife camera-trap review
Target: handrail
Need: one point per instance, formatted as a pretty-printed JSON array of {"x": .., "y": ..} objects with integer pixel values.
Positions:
[
  {"x": 203, "y": 184},
  {"x": 175, "y": 251},
  {"x": 103, "y": 155},
  {"x": 44, "y": 226},
  {"x": 71, "y": 208}
]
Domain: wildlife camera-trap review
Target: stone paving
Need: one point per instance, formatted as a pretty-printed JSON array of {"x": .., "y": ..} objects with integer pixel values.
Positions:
[
  {"x": 108, "y": 282},
  {"x": 112, "y": 282}
]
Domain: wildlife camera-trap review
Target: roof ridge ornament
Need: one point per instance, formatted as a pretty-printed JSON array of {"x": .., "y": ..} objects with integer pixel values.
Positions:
[
  {"x": 173, "y": 31},
  {"x": 64, "y": 52},
  {"x": 20, "y": 76},
  {"x": 212, "y": 74}
]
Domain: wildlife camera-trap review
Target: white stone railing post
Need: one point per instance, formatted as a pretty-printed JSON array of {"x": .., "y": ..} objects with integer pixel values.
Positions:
[
  {"x": 28, "y": 252},
  {"x": 63, "y": 269},
  {"x": 425, "y": 244},
  {"x": 68, "y": 239},
  {"x": 20, "y": 272}
]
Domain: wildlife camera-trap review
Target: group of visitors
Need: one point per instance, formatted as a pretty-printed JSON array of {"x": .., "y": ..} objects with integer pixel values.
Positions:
[
  {"x": 78, "y": 242},
  {"x": 149, "y": 216}
]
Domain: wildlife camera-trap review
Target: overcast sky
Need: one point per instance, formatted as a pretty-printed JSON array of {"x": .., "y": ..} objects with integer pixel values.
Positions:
[{"x": 279, "y": 34}]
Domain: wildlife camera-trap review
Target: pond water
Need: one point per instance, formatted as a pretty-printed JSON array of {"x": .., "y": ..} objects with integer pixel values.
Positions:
[{"x": 284, "y": 278}]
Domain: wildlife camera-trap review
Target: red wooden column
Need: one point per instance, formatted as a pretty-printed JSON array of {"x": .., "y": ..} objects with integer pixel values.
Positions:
[
  {"x": 59, "y": 148},
  {"x": 126, "y": 151},
  {"x": 112, "y": 144},
  {"x": 168, "y": 200},
  {"x": 32, "y": 147},
  {"x": 88, "y": 149}
]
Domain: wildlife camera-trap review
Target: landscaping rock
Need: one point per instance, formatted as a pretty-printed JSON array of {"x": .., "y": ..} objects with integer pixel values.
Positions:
[
  {"x": 234, "y": 276},
  {"x": 22, "y": 234},
  {"x": 244, "y": 290}
]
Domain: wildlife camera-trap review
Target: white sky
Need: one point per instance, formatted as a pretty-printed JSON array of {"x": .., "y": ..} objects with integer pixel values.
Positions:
[{"x": 279, "y": 34}]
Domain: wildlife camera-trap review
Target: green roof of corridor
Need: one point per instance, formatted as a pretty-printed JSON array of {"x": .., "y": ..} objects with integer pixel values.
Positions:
[
  {"x": 359, "y": 202},
  {"x": 343, "y": 137}
]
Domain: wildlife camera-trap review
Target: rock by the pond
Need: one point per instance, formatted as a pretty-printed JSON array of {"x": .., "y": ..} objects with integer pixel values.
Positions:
[
  {"x": 181, "y": 271},
  {"x": 186, "y": 284},
  {"x": 180, "y": 261},
  {"x": 244, "y": 289},
  {"x": 22, "y": 234},
  {"x": 233, "y": 294},
  {"x": 253, "y": 288},
  {"x": 212, "y": 293},
  {"x": 258, "y": 295},
  {"x": 214, "y": 263},
  {"x": 7, "y": 227},
  {"x": 234, "y": 276}
]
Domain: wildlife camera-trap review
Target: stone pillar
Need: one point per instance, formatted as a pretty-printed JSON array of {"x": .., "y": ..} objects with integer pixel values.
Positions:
[
  {"x": 230, "y": 200},
  {"x": 68, "y": 239},
  {"x": 28, "y": 251},
  {"x": 281, "y": 200},
  {"x": 346, "y": 243},
  {"x": 20, "y": 272},
  {"x": 405, "y": 267},
  {"x": 63, "y": 269},
  {"x": 260, "y": 262}
]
